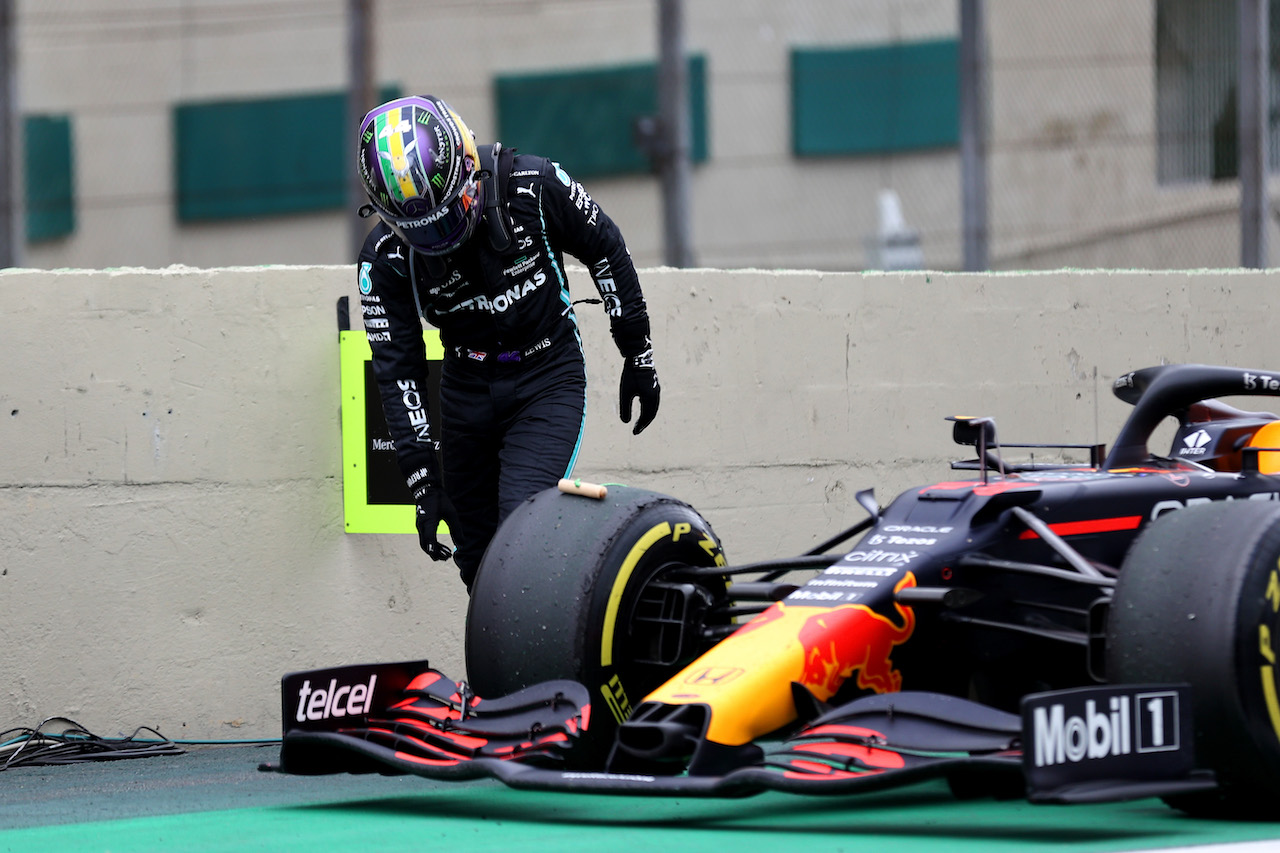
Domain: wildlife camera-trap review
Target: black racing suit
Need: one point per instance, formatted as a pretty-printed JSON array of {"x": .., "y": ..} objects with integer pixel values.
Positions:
[{"x": 513, "y": 377}]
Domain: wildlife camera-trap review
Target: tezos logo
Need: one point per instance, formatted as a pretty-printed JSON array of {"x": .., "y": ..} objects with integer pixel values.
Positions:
[{"x": 1261, "y": 382}]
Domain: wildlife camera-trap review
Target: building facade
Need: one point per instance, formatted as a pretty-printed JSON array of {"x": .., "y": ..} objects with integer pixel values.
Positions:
[{"x": 213, "y": 133}]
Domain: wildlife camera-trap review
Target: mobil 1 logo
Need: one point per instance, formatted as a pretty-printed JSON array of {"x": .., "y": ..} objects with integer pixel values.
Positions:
[{"x": 1093, "y": 736}]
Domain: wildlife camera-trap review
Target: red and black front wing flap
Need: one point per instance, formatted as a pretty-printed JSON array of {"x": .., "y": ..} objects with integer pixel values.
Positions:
[
  {"x": 408, "y": 718},
  {"x": 1089, "y": 745}
]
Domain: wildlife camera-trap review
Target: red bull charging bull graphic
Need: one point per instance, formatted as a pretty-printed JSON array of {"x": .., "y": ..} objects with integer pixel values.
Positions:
[
  {"x": 853, "y": 638},
  {"x": 817, "y": 646}
]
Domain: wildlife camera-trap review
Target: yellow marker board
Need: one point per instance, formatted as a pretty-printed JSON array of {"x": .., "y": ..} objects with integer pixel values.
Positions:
[{"x": 375, "y": 498}]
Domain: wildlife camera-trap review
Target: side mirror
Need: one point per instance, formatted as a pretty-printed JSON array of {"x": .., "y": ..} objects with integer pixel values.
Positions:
[{"x": 973, "y": 432}]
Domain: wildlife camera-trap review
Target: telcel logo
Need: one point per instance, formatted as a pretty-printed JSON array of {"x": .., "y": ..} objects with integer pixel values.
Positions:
[
  {"x": 1061, "y": 739},
  {"x": 347, "y": 700}
]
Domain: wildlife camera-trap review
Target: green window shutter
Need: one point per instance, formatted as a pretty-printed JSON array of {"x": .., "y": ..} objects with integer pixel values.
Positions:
[
  {"x": 50, "y": 179},
  {"x": 873, "y": 100},
  {"x": 266, "y": 157},
  {"x": 584, "y": 118}
]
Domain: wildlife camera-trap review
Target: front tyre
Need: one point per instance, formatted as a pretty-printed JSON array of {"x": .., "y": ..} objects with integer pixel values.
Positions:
[
  {"x": 1197, "y": 601},
  {"x": 593, "y": 591}
]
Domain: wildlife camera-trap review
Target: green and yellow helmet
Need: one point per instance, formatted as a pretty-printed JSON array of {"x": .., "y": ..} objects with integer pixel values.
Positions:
[{"x": 421, "y": 171}]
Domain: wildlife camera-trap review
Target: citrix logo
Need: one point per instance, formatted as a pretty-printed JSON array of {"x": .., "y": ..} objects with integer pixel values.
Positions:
[{"x": 347, "y": 700}]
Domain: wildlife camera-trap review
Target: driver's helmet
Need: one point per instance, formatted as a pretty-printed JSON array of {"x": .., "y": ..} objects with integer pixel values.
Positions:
[{"x": 420, "y": 168}]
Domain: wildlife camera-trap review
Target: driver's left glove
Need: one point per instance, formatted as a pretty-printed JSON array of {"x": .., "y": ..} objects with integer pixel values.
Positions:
[{"x": 639, "y": 381}]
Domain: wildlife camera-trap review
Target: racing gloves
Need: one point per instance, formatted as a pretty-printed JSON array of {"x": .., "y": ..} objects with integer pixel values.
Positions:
[
  {"x": 639, "y": 381},
  {"x": 433, "y": 506}
]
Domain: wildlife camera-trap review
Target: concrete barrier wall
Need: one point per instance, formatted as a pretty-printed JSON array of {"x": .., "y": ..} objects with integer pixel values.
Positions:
[{"x": 171, "y": 531}]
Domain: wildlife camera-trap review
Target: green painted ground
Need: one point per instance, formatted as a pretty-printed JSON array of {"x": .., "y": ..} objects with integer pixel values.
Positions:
[{"x": 216, "y": 800}]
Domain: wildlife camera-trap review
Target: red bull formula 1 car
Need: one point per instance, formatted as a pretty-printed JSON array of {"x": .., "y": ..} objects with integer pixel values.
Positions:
[{"x": 1067, "y": 631}]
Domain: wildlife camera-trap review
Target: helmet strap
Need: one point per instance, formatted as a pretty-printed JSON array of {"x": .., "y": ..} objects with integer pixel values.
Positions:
[{"x": 495, "y": 169}]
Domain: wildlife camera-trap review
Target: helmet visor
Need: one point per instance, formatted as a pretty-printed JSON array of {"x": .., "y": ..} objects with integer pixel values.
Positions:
[{"x": 444, "y": 227}]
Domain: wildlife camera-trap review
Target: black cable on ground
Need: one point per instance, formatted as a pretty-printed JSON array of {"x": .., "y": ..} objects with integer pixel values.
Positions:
[{"x": 72, "y": 743}]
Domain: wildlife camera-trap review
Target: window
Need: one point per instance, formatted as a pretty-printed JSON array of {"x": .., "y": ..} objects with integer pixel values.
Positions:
[
  {"x": 584, "y": 119},
  {"x": 873, "y": 100},
  {"x": 268, "y": 157},
  {"x": 1197, "y": 61},
  {"x": 49, "y": 164}
]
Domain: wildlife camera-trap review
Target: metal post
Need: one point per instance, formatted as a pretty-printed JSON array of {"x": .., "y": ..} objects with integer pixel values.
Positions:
[
  {"x": 973, "y": 135},
  {"x": 1254, "y": 127},
  {"x": 360, "y": 99},
  {"x": 9, "y": 140},
  {"x": 673, "y": 148}
]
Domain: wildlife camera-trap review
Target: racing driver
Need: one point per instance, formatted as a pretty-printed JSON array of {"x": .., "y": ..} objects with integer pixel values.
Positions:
[{"x": 471, "y": 239}]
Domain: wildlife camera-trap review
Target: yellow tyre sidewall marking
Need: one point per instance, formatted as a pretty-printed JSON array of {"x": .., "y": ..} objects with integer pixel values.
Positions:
[
  {"x": 654, "y": 534},
  {"x": 1269, "y": 693},
  {"x": 1270, "y": 596}
]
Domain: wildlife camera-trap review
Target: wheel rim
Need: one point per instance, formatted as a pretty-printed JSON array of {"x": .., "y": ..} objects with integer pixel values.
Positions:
[{"x": 662, "y": 626}]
